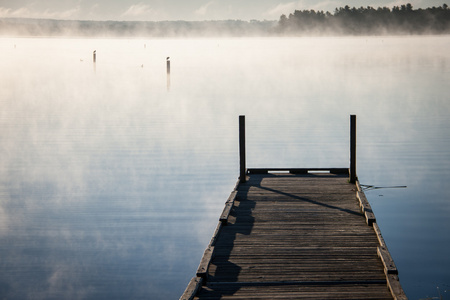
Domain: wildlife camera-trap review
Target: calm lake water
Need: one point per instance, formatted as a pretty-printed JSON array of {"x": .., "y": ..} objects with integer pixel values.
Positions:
[{"x": 112, "y": 181}]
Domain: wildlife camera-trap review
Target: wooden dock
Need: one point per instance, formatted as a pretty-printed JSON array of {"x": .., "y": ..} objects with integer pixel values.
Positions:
[{"x": 296, "y": 234}]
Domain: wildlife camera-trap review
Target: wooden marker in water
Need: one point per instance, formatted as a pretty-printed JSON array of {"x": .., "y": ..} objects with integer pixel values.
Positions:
[
  {"x": 168, "y": 65},
  {"x": 94, "y": 59},
  {"x": 168, "y": 72}
]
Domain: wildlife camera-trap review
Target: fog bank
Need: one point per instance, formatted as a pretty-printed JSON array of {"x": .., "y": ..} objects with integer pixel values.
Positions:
[
  {"x": 45, "y": 27},
  {"x": 399, "y": 20}
]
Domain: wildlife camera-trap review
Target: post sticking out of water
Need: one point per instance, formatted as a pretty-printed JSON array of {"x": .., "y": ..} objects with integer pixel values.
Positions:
[
  {"x": 168, "y": 65},
  {"x": 168, "y": 72},
  {"x": 242, "y": 176},
  {"x": 94, "y": 56},
  {"x": 353, "y": 149}
]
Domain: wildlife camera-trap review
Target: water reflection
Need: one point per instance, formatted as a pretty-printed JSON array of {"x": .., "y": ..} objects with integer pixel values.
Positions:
[{"x": 111, "y": 187}]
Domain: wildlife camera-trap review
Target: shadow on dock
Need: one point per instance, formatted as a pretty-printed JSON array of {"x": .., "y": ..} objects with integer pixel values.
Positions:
[
  {"x": 296, "y": 233},
  {"x": 222, "y": 269}
]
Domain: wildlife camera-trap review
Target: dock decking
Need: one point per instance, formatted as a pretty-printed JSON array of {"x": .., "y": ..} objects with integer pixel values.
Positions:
[{"x": 296, "y": 234}]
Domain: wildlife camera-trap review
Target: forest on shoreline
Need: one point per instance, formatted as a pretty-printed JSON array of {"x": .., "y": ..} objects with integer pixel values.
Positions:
[
  {"x": 399, "y": 20},
  {"x": 402, "y": 19}
]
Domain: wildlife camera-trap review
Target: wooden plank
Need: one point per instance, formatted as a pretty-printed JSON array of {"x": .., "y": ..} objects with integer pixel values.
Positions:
[
  {"x": 290, "y": 217},
  {"x": 301, "y": 229},
  {"x": 226, "y": 213},
  {"x": 395, "y": 287},
  {"x": 304, "y": 233},
  {"x": 358, "y": 186},
  {"x": 271, "y": 238},
  {"x": 356, "y": 290},
  {"x": 366, "y": 208},
  {"x": 298, "y": 170},
  {"x": 192, "y": 288},
  {"x": 215, "y": 235},
  {"x": 343, "y": 268},
  {"x": 233, "y": 276},
  {"x": 202, "y": 269},
  {"x": 293, "y": 282},
  {"x": 365, "y": 205},
  {"x": 386, "y": 259},
  {"x": 308, "y": 251},
  {"x": 363, "y": 202},
  {"x": 227, "y": 209},
  {"x": 263, "y": 275},
  {"x": 390, "y": 268},
  {"x": 379, "y": 236}
]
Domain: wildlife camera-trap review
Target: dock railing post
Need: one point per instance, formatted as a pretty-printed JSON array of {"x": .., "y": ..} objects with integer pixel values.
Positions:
[
  {"x": 352, "y": 148},
  {"x": 242, "y": 175}
]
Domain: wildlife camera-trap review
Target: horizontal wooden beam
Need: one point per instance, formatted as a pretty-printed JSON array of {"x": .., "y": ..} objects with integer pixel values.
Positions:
[
  {"x": 216, "y": 234},
  {"x": 395, "y": 287},
  {"x": 298, "y": 170},
  {"x": 391, "y": 272},
  {"x": 388, "y": 262},
  {"x": 293, "y": 282},
  {"x": 227, "y": 209},
  {"x": 379, "y": 236},
  {"x": 365, "y": 206},
  {"x": 202, "y": 270}
]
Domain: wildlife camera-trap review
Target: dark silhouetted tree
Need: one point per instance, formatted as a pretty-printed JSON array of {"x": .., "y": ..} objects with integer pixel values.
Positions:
[{"x": 403, "y": 19}]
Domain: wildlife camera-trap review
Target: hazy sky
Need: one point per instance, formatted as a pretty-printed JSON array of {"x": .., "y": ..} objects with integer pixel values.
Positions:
[{"x": 157, "y": 10}]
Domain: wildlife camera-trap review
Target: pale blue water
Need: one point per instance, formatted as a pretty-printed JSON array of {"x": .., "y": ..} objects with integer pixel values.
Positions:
[{"x": 111, "y": 184}]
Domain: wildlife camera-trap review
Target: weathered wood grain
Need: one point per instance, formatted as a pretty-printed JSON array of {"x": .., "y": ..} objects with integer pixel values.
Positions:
[
  {"x": 388, "y": 262},
  {"x": 192, "y": 288},
  {"x": 395, "y": 287},
  {"x": 366, "y": 208},
  {"x": 379, "y": 236},
  {"x": 227, "y": 209},
  {"x": 290, "y": 236},
  {"x": 357, "y": 290},
  {"x": 298, "y": 170},
  {"x": 215, "y": 234},
  {"x": 202, "y": 269}
]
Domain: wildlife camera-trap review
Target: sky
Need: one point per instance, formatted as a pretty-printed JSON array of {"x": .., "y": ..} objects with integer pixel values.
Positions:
[{"x": 193, "y": 10}]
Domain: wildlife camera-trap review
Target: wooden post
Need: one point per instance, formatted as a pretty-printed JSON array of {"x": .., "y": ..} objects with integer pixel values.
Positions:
[
  {"x": 242, "y": 176},
  {"x": 168, "y": 72},
  {"x": 168, "y": 65},
  {"x": 353, "y": 149}
]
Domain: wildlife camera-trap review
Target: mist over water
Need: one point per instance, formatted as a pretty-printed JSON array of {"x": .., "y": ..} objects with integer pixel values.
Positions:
[{"x": 111, "y": 183}]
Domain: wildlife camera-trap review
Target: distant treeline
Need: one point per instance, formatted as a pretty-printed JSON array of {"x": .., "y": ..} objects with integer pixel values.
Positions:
[
  {"x": 46, "y": 27},
  {"x": 368, "y": 21},
  {"x": 344, "y": 21}
]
